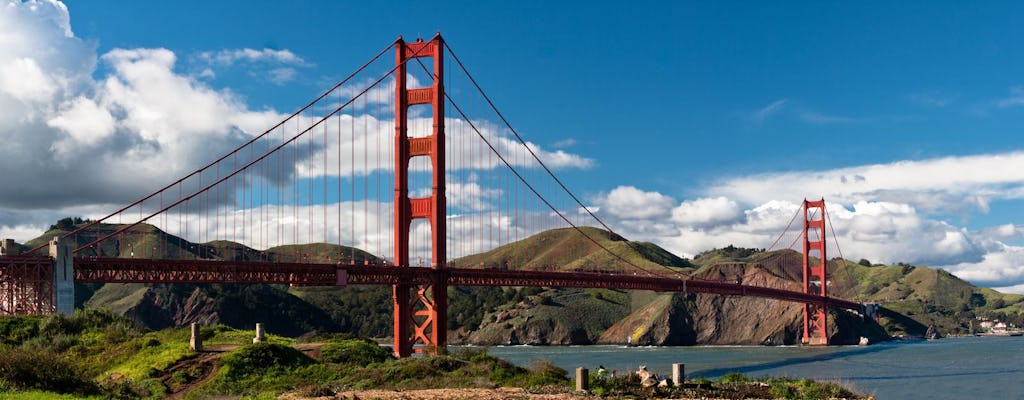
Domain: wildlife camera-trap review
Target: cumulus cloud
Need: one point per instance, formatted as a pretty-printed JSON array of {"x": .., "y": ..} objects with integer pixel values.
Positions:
[
  {"x": 1002, "y": 267},
  {"x": 948, "y": 184},
  {"x": 706, "y": 211},
  {"x": 76, "y": 140},
  {"x": 278, "y": 66},
  {"x": 628, "y": 202}
]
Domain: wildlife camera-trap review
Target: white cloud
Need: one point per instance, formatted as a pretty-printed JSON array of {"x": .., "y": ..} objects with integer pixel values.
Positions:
[
  {"x": 281, "y": 76},
  {"x": 565, "y": 143},
  {"x": 707, "y": 211},
  {"x": 801, "y": 113},
  {"x": 932, "y": 99},
  {"x": 767, "y": 111},
  {"x": 1016, "y": 98},
  {"x": 1000, "y": 267},
  {"x": 629, "y": 202},
  {"x": 948, "y": 184},
  {"x": 103, "y": 140},
  {"x": 277, "y": 66},
  {"x": 84, "y": 121},
  {"x": 232, "y": 56}
]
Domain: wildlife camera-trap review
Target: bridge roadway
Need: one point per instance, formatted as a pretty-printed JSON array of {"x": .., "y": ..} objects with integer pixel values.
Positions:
[{"x": 134, "y": 270}]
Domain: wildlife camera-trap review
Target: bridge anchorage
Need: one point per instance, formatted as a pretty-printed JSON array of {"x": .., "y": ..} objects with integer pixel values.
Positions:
[{"x": 244, "y": 195}]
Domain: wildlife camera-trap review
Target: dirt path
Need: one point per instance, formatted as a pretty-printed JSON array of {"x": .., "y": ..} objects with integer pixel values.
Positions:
[{"x": 203, "y": 367}]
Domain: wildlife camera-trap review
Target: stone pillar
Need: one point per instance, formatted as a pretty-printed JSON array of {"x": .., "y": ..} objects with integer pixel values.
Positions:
[
  {"x": 678, "y": 373},
  {"x": 582, "y": 380},
  {"x": 63, "y": 275},
  {"x": 196, "y": 342},
  {"x": 870, "y": 311},
  {"x": 9, "y": 248},
  {"x": 260, "y": 334}
]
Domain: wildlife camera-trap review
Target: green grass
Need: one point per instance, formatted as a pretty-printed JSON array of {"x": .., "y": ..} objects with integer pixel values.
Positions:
[
  {"x": 158, "y": 352},
  {"x": 41, "y": 395},
  {"x": 226, "y": 335}
]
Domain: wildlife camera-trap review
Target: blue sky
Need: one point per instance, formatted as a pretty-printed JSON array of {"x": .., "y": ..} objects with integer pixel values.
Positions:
[{"x": 715, "y": 118}]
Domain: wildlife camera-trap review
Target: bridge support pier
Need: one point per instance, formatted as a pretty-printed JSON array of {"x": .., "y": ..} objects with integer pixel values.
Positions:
[
  {"x": 815, "y": 277},
  {"x": 63, "y": 275}
]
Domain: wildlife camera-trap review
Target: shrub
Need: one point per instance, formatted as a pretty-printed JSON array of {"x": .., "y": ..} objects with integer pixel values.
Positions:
[
  {"x": 15, "y": 330},
  {"x": 544, "y": 372},
  {"x": 354, "y": 351},
  {"x": 733, "y": 377},
  {"x": 33, "y": 369},
  {"x": 260, "y": 358}
]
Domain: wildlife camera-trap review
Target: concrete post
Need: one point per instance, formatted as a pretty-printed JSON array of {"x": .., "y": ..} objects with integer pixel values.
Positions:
[
  {"x": 260, "y": 338},
  {"x": 9, "y": 248},
  {"x": 63, "y": 275},
  {"x": 678, "y": 373},
  {"x": 582, "y": 380},
  {"x": 196, "y": 342}
]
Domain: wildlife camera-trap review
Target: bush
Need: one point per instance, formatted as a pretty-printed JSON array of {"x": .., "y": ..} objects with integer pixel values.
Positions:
[
  {"x": 354, "y": 351},
  {"x": 733, "y": 377},
  {"x": 15, "y": 330},
  {"x": 42, "y": 370},
  {"x": 544, "y": 372},
  {"x": 261, "y": 358}
]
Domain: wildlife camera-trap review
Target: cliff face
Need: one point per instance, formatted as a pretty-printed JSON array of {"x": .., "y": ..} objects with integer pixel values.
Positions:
[
  {"x": 163, "y": 306},
  {"x": 663, "y": 322},
  {"x": 554, "y": 317},
  {"x": 673, "y": 319}
]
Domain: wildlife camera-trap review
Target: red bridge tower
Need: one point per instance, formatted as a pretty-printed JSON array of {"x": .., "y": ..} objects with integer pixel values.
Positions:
[
  {"x": 815, "y": 327},
  {"x": 425, "y": 310}
]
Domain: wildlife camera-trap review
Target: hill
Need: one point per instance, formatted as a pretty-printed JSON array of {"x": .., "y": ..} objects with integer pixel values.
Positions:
[
  {"x": 920, "y": 297},
  {"x": 569, "y": 249},
  {"x": 573, "y": 316}
]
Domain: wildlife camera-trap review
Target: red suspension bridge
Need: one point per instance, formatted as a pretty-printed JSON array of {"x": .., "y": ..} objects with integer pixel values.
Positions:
[{"x": 393, "y": 165}]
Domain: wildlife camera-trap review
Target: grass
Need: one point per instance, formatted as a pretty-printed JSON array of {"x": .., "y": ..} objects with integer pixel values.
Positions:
[
  {"x": 158, "y": 351},
  {"x": 226, "y": 335},
  {"x": 41, "y": 395}
]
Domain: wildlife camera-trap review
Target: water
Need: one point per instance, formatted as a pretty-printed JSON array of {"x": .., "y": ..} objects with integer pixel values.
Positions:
[{"x": 956, "y": 368}]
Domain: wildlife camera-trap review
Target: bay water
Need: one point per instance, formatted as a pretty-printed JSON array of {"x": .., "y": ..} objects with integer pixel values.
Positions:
[{"x": 952, "y": 368}]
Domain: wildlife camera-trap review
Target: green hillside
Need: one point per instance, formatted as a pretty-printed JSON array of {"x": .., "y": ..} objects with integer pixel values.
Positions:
[
  {"x": 569, "y": 249},
  {"x": 926, "y": 295}
]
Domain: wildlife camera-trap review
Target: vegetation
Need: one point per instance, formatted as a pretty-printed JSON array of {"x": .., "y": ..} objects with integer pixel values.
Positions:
[
  {"x": 730, "y": 386},
  {"x": 98, "y": 354}
]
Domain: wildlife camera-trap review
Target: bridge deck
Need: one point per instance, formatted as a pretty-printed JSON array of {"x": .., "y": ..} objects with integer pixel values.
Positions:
[{"x": 131, "y": 270}]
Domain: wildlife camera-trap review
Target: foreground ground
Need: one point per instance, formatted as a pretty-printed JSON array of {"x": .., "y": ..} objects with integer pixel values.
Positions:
[{"x": 95, "y": 355}]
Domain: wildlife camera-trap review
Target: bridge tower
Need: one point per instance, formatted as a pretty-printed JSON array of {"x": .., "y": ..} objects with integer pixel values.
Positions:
[
  {"x": 420, "y": 310},
  {"x": 815, "y": 326}
]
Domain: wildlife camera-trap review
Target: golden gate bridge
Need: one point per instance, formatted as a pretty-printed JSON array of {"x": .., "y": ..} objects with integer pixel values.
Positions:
[{"x": 395, "y": 164}]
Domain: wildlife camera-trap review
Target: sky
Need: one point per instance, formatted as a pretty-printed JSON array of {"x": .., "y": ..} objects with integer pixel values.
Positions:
[{"x": 702, "y": 124}]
